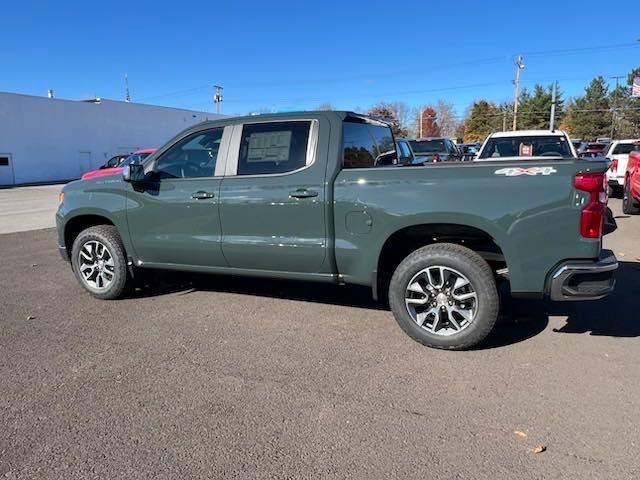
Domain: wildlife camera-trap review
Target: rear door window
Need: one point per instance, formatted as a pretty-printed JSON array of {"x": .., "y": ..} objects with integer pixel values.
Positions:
[
  {"x": 367, "y": 145},
  {"x": 273, "y": 147}
]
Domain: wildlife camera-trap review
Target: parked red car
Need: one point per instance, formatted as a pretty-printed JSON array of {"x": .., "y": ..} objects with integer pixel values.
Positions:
[
  {"x": 631, "y": 196},
  {"x": 136, "y": 156}
]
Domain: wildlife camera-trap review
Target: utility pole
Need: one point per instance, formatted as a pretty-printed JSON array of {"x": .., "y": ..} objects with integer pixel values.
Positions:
[
  {"x": 127, "y": 97},
  {"x": 421, "y": 113},
  {"x": 217, "y": 97},
  {"x": 519, "y": 66},
  {"x": 613, "y": 106},
  {"x": 552, "y": 118}
]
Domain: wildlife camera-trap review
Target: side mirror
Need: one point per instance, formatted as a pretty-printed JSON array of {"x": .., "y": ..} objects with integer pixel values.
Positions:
[{"x": 133, "y": 173}]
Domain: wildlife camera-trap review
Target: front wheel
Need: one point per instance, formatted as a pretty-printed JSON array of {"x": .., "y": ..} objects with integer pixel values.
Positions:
[
  {"x": 629, "y": 205},
  {"x": 99, "y": 262},
  {"x": 444, "y": 296}
]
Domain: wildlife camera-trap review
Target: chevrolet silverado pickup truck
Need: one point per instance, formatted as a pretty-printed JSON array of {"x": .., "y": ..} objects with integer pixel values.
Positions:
[{"x": 322, "y": 196}]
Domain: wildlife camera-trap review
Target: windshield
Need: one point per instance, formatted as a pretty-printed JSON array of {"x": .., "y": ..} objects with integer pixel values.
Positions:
[
  {"x": 470, "y": 149},
  {"x": 596, "y": 146},
  {"x": 535, "y": 146},
  {"x": 134, "y": 158},
  {"x": 626, "y": 148},
  {"x": 428, "y": 146}
]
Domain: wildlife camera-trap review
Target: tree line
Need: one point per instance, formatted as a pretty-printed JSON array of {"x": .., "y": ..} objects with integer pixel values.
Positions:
[{"x": 601, "y": 111}]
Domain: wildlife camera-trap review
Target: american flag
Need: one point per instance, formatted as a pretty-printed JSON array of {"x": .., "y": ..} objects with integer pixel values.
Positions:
[{"x": 635, "y": 89}]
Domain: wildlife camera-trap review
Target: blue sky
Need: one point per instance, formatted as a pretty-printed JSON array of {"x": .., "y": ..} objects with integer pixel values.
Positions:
[{"x": 293, "y": 55}]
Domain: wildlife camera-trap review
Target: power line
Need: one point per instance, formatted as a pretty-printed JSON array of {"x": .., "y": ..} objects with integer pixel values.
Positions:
[
  {"x": 581, "y": 50},
  {"x": 177, "y": 92},
  {"x": 344, "y": 79}
]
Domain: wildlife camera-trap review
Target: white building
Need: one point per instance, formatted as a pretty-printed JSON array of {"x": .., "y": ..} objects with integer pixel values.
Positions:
[{"x": 45, "y": 140}]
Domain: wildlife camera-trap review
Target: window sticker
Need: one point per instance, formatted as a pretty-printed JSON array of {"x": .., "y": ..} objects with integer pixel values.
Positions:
[
  {"x": 526, "y": 150},
  {"x": 269, "y": 147}
]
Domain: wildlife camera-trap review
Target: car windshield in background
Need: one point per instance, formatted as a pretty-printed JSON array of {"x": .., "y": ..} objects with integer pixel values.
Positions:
[
  {"x": 538, "y": 146},
  {"x": 596, "y": 146},
  {"x": 135, "y": 158},
  {"x": 427, "y": 146},
  {"x": 626, "y": 148}
]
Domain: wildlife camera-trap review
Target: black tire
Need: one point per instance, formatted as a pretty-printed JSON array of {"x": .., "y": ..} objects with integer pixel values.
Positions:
[
  {"x": 615, "y": 191},
  {"x": 629, "y": 204},
  {"x": 469, "y": 264},
  {"x": 108, "y": 236}
]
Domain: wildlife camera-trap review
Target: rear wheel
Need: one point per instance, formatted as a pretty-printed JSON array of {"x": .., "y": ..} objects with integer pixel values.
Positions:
[
  {"x": 614, "y": 191},
  {"x": 444, "y": 296},
  {"x": 99, "y": 262},
  {"x": 629, "y": 204}
]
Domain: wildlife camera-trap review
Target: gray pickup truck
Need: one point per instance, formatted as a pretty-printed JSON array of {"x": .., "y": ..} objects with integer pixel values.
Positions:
[{"x": 322, "y": 196}]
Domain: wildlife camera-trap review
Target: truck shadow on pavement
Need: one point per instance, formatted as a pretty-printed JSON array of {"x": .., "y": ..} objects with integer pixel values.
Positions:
[
  {"x": 519, "y": 319},
  {"x": 164, "y": 282},
  {"x": 614, "y": 316}
]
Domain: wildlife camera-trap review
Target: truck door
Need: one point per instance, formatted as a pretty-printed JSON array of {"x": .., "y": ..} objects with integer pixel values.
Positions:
[
  {"x": 272, "y": 198},
  {"x": 174, "y": 218}
]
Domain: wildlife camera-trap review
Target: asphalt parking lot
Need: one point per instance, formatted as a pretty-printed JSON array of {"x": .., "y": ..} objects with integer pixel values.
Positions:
[{"x": 237, "y": 378}]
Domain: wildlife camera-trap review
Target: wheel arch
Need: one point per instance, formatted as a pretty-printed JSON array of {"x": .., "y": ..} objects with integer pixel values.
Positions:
[
  {"x": 76, "y": 224},
  {"x": 407, "y": 239}
]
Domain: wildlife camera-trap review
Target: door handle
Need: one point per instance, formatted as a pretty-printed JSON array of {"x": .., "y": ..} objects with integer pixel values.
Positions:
[
  {"x": 303, "y": 193},
  {"x": 201, "y": 195}
]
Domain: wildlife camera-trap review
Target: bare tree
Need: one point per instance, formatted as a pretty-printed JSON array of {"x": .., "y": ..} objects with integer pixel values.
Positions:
[
  {"x": 446, "y": 117},
  {"x": 387, "y": 111},
  {"x": 324, "y": 106},
  {"x": 403, "y": 114}
]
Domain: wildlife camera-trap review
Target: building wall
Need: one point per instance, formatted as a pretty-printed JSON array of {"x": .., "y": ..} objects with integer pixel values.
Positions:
[{"x": 50, "y": 139}]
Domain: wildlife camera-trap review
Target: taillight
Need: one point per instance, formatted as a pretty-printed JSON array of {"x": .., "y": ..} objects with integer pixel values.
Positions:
[
  {"x": 436, "y": 157},
  {"x": 592, "y": 217},
  {"x": 614, "y": 165}
]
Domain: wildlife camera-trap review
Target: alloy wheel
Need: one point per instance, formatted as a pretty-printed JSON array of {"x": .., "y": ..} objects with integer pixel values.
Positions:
[
  {"x": 96, "y": 265},
  {"x": 441, "y": 300}
]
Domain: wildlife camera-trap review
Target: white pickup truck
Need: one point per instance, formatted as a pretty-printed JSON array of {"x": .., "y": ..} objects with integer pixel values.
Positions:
[{"x": 618, "y": 152}]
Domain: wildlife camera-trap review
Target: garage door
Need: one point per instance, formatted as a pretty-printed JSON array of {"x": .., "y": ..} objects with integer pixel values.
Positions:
[{"x": 6, "y": 170}]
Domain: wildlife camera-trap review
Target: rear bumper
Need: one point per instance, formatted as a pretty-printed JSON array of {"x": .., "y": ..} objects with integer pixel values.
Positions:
[
  {"x": 616, "y": 181},
  {"x": 584, "y": 279}
]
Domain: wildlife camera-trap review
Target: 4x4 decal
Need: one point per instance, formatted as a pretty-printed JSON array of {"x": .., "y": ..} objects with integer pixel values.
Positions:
[{"x": 517, "y": 171}]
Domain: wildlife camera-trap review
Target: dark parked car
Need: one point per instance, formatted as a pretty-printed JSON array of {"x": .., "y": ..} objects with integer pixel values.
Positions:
[
  {"x": 592, "y": 149},
  {"x": 435, "y": 149},
  {"x": 469, "y": 150},
  {"x": 405, "y": 152},
  {"x": 114, "y": 161}
]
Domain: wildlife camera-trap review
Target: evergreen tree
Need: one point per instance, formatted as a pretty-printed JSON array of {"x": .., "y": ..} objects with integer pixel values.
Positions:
[
  {"x": 589, "y": 116},
  {"x": 534, "y": 110},
  {"x": 626, "y": 109},
  {"x": 484, "y": 118}
]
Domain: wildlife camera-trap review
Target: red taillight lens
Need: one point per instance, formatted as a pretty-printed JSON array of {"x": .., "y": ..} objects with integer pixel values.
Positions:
[
  {"x": 592, "y": 217},
  {"x": 436, "y": 157},
  {"x": 590, "y": 182},
  {"x": 614, "y": 165}
]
